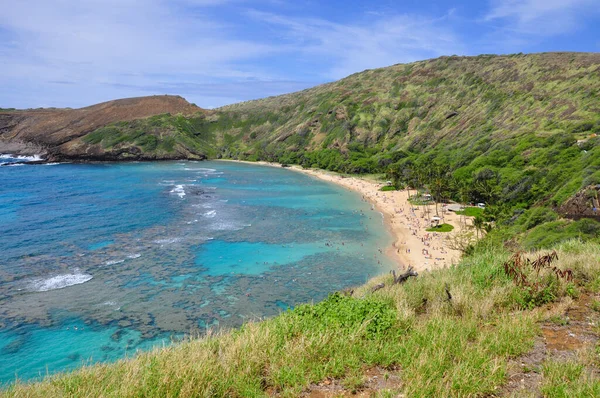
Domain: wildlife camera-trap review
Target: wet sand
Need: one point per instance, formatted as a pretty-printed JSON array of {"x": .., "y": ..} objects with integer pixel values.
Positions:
[{"x": 413, "y": 245}]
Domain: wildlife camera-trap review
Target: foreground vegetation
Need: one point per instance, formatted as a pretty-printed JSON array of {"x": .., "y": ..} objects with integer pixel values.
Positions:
[{"x": 450, "y": 332}]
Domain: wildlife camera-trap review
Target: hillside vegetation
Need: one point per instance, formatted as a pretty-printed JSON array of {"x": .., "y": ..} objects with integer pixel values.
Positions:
[
  {"x": 462, "y": 331},
  {"x": 518, "y": 132},
  {"x": 520, "y": 115},
  {"x": 131, "y": 128}
]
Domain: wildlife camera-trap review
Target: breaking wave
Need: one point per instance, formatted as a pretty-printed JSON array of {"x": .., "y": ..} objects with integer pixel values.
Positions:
[
  {"x": 8, "y": 159},
  {"x": 59, "y": 282},
  {"x": 179, "y": 191}
]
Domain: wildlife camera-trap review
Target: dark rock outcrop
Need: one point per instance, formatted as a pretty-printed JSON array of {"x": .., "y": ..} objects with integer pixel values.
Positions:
[{"x": 584, "y": 204}]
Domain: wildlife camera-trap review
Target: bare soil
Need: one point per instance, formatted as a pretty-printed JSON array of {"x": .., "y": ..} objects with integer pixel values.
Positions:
[{"x": 560, "y": 341}]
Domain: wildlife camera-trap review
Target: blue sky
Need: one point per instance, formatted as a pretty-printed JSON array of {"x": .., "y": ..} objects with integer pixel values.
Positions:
[{"x": 215, "y": 52}]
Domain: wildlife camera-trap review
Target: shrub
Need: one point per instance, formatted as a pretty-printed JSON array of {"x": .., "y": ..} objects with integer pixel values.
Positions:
[
  {"x": 147, "y": 142},
  {"x": 539, "y": 215},
  {"x": 348, "y": 313}
]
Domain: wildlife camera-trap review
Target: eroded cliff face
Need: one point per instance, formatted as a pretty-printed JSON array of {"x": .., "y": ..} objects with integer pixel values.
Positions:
[
  {"x": 584, "y": 204},
  {"x": 58, "y": 133}
]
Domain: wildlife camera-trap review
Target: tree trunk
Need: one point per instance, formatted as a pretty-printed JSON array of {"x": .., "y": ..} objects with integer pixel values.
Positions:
[{"x": 403, "y": 277}]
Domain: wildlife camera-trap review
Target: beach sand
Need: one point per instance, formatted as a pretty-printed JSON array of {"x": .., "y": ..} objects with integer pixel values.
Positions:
[{"x": 413, "y": 245}]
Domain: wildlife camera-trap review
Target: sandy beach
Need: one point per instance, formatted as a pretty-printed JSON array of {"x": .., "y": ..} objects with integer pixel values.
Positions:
[{"x": 413, "y": 245}]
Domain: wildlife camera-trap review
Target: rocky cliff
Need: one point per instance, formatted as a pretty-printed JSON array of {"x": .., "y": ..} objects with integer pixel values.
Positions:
[
  {"x": 61, "y": 133},
  {"x": 584, "y": 204}
]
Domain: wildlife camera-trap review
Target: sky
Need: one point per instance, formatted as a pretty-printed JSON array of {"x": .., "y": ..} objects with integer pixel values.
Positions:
[{"x": 74, "y": 53}]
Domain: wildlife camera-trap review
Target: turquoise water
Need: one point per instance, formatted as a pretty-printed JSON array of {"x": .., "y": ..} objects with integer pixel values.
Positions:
[{"x": 98, "y": 261}]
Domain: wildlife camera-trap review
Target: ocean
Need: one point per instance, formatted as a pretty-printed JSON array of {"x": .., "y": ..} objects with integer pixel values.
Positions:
[{"x": 98, "y": 261}]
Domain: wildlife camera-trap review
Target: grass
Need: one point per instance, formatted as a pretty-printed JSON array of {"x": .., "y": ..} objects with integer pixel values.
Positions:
[
  {"x": 471, "y": 212},
  {"x": 441, "y": 228},
  {"x": 444, "y": 347},
  {"x": 569, "y": 379},
  {"x": 550, "y": 233},
  {"x": 419, "y": 201},
  {"x": 388, "y": 188}
]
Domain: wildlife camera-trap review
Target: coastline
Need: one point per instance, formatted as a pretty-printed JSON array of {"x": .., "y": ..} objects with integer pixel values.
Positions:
[{"x": 412, "y": 244}]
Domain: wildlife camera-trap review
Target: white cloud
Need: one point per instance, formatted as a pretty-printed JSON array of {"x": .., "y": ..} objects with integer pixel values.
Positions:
[
  {"x": 116, "y": 36},
  {"x": 97, "y": 43},
  {"x": 349, "y": 48},
  {"x": 541, "y": 17},
  {"x": 76, "y": 52}
]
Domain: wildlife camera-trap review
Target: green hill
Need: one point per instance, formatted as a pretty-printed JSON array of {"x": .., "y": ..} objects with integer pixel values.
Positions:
[
  {"x": 126, "y": 129},
  {"x": 516, "y": 132},
  {"x": 520, "y": 114}
]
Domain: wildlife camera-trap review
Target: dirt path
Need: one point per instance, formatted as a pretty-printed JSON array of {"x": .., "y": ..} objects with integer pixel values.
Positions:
[{"x": 563, "y": 338}]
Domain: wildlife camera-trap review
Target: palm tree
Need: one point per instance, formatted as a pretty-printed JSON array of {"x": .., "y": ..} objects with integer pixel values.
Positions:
[
  {"x": 421, "y": 177},
  {"x": 438, "y": 185},
  {"x": 407, "y": 176},
  {"x": 487, "y": 183},
  {"x": 463, "y": 188},
  {"x": 394, "y": 175},
  {"x": 479, "y": 225}
]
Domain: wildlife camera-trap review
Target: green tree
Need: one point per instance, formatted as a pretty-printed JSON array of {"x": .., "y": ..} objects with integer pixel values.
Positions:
[
  {"x": 479, "y": 225},
  {"x": 463, "y": 190},
  {"x": 393, "y": 174},
  {"x": 439, "y": 184},
  {"x": 408, "y": 176},
  {"x": 487, "y": 185}
]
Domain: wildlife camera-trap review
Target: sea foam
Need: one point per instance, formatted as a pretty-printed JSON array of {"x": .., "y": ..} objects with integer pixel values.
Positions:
[
  {"x": 59, "y": 282},
  {"x": 22, "y": 158},
  {"x": 17, "y": 160},
  {"x": 210, "y": 214},
  {"x": 179, "y": 191}
]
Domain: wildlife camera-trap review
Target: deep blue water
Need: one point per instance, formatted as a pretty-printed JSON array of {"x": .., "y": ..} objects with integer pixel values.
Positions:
[{"x": 98, "y": 261}]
